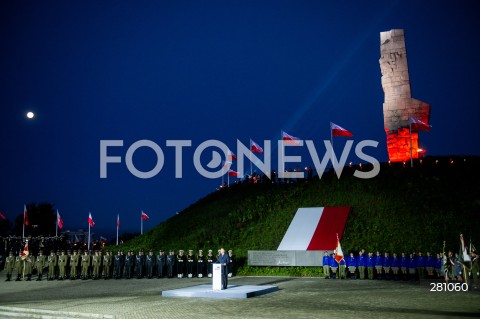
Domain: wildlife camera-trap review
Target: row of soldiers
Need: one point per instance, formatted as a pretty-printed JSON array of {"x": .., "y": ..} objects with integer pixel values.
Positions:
[
  {"x": 84, "y": 266},
  {"x": 385, "y": 266}
]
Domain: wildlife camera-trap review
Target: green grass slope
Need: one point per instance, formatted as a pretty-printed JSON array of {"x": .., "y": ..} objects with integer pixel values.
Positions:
[{"x": 401, "y": 209}]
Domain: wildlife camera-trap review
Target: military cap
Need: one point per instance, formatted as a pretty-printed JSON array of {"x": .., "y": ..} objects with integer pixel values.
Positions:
[{"x": 161, "y": 250}]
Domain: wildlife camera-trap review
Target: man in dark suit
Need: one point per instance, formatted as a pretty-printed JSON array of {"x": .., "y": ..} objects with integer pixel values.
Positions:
[{"x": 224, "y": 260}]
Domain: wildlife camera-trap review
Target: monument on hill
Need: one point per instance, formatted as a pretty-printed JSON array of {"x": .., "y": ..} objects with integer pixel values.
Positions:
[{"x": 398, "y": 105}]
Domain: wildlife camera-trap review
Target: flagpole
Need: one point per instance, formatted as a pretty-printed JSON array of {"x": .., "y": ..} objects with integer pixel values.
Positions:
[
  {"x": 141, "y": 224},
  {"x": 88, "y": 247},
  {"x": 228, "y": 179},
  {"x": 56, "y": 226},
  {"x": 118, "y": 217},
  {"x": 411, "y": 155},
  {"x": 251, "y": 170},
  {"x": 23, "y": 229}
]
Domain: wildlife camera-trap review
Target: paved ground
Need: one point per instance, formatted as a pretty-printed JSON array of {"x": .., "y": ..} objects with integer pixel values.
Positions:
[{"x": 297, "y": 298}]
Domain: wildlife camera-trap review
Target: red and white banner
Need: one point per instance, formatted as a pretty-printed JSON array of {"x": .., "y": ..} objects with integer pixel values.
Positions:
[
  {"x": 289, "y": 139},
  {"x": 144, "y": 216},
  {"x": 315, "y": 228},
  {"x": 59, "y": 220},
  {"x": 90, "y": 220},
  {"x": 255, "y": 148},
  {"x": 418, "y": 125}
]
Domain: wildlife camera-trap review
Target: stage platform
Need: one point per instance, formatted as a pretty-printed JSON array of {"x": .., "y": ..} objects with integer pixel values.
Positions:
[{"x": 233, "y": 291}]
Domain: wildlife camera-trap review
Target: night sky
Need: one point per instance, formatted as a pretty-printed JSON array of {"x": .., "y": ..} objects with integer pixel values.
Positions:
[{"x": 198, "y": 70}]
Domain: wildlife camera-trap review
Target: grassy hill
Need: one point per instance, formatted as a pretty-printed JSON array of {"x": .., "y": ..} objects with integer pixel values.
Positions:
[{"x": 402, "y": 209}]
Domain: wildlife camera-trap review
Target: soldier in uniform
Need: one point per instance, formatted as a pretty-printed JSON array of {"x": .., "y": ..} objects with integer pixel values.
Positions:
[
  {"x": 150, "y": 261},
  {"x": 200, "y": 264},
  {"x": 430, "y": 264},
  {"x": 170, "y": 263},
  {"x": 420, "y": 266},
  {"x": 9, "y": 265},
  {"x": 180, "y": 264},
  {"x": 62, "y": 265},
  {"x": 230, "y": 263},
  {"x": 67, "y": 267},
  {"x": 404, "y": 266},
  {"x": 96, "y": 263},
  {"x": 85, "y": 262},
  {"x": 190, "y": 264},
  {"x": 333, "y": 266},
  {"x": 39, "y": 264},
  {"x": 210, "y": 259},
  {"x": 475, "y": 268},
  {"x": 140, "y": 264},
  {"x": 395, "y": 264},
  {"x": 161, "y": 262},
  {"x": 107, "y": 263},
  {"x": 28, "y": 266},
  {"x": 74, "y": 265},
  {"x": 412, "y": 265},
  {"x": 52, "y": 263},
  {"x": 129, "y": 262},
  {"x": 19, "y": 266},
  {"x": 117, "y": 264}
]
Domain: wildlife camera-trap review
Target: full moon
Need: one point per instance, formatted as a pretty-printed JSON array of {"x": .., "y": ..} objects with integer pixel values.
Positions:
[{"x": 30, "y": 115}]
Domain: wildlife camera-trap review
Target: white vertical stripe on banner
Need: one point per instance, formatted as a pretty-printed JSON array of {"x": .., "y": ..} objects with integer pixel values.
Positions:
[{"x": 301, "y": 229}]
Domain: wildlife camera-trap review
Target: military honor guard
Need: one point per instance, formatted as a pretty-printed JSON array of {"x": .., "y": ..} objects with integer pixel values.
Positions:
[
  {"x": 129, "y": 264},
  {"x": 190, "y": 264},
  {"x": 395, "y": 266},
  {"x": 404, "y": 266},
  {"x": 85, "y": 263},
  {"x": 170, "y": 263},
  {"x": 140, "y": 264},
  {"x": 74, "y": 261},
  {"x": 150, "y": 263},
  {"x": 62, "y": 265},
  {"x": 96, "y": 264},
  {"x": 19, "y": 266},
  {"x": 181, "y": 260},
  {"x": 161, "y": 262},
  {"x": 117, "y": 265},
  {"x": 200, "y": 264},
  {"x": 28, "y": 267},
  {"x": 52, "y": 264},
  {"x": 210, "y": 259},
  {"x": 430, "y": 264},
  {"x": 39, "y": 265},
  {"x": 421, "y": 265},
  {"x": 107, "y": 265},
  {"x": 333, "y": 266},
  {"x": 230, "y": 263},
  {"x": 412, "y": 267},
  {"x": 9, "y": 265}
]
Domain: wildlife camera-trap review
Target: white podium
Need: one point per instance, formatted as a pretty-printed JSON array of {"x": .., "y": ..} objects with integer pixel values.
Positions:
[{"x": 217, "y": 277}]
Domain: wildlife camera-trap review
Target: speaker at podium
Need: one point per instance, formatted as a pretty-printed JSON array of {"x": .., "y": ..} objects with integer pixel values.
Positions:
[{"x": 217, "y": 276}]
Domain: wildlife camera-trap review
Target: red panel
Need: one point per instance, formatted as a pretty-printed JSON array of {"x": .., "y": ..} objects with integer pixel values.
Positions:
[
  {"x": 398, "y": 145},
  {"x": 331, "y": 223}
]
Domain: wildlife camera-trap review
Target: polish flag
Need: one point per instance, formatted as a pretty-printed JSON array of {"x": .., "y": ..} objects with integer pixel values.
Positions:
[
  {"x": 289, "y": 139},
  {"x": 144, "y": 216},
  {"x": 59, "y": 220},
  {"x": 339, "y": 131},
  {"x": 231, "y": 156},
  {"x": 463, "y": 250},
  {"x": 3, "y": 216},
  {"x": 418, "y": 125},
  {"x": 255, "y": 148},
  {"x": 232, "y": 173},
  {"x": 90, "y": 220},
  {"x": 338, "y": 252},
  {"x": 25, "y": 251},
  {"x": 25, "y": 216},
  {"x": 118, "y": 221}
]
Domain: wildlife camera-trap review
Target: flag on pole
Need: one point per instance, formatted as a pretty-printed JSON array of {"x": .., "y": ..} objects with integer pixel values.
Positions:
[
  {"x": 232, "y": 173},
  {"x": 464, "y": 256},
  {"x": 3, "y": 216},
  {"x": 231, "y": 156},
  {"x": 289, "y": 139},
  {"x": 144, "y": 216},
  {"x": 25, "y": 216},
  {"x": 25, "y": 250},
  {"x": 418, "y": 125},
  {"x": 59, "y": 220},
  {"x": 90, "y": 220},
  {"x": 338, "y": 252},
  {"x": 118, "y": 221},
  {"x": 255, "y": 148},
  {"x": 339, "y": 131}
]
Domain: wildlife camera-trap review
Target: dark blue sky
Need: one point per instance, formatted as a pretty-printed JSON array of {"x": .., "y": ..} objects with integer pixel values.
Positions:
[{"x": 223, "y": 70}]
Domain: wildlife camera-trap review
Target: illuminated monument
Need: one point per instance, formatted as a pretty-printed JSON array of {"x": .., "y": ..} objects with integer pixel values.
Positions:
[{"x": 398, "y": 105}]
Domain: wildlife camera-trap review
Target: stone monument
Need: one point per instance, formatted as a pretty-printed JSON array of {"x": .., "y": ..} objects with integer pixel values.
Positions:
[{"x": 398, "y": 105}]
